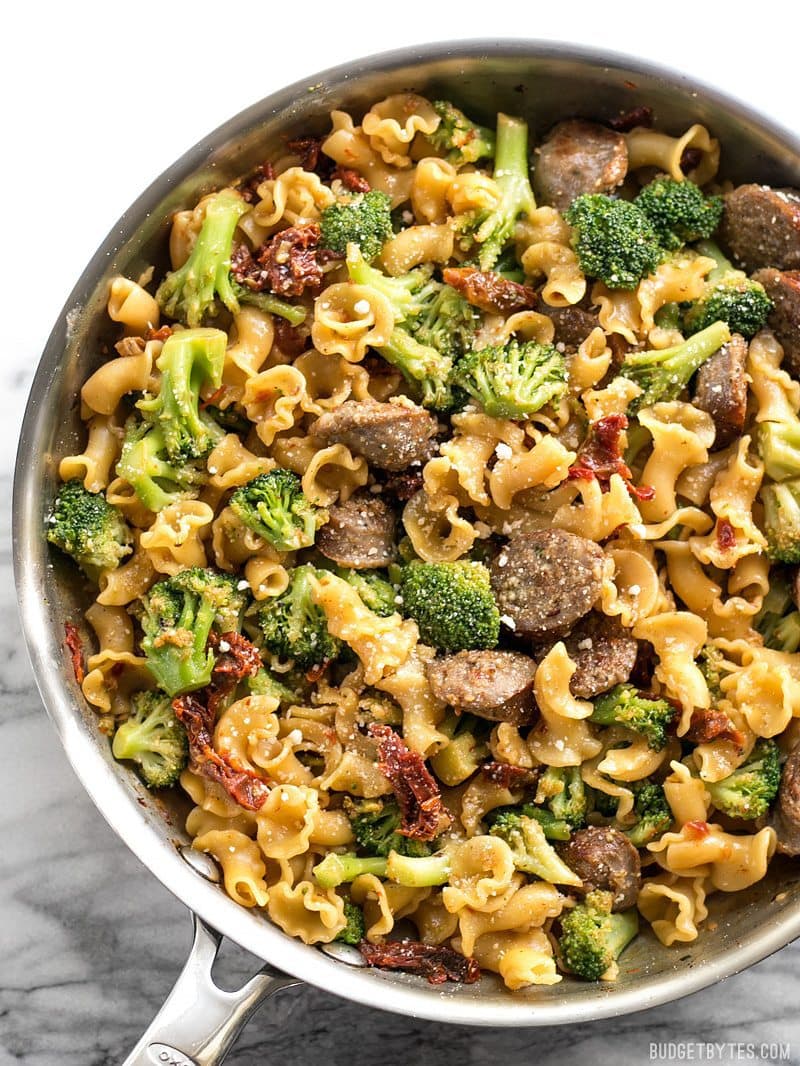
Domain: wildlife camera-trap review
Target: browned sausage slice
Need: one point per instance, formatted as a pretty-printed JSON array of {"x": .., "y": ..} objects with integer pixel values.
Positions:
[
  {"x": 390, "y": 436},
  {"x": 604, "y": 654},
  {"x": 545, "y": 581},
  {"x": 604, "y": 858},
  {"x": 497, "y": 685},
  {"x": 578, "y": 157},
  {"x": 359, "y": 533},
  {"x": 572, "y": 324},
  {"x": 721, "y": 390},
  {"x": 783, "y": 288},
  {"x": 761, "y": 227},
  {"x": 786, "y": 817}
]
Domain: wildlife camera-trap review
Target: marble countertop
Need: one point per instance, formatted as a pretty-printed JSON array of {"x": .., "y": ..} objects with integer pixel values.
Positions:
[{"x": 90, "y": 942}]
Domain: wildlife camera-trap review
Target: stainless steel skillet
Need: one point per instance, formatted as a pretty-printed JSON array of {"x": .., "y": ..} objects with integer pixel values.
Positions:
[{"x": 543, "y": 82}]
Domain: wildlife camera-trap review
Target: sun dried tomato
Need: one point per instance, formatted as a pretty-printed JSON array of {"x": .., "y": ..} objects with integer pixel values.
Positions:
[
  {"x": 489, "y": 291},
  {"x": 726, "y": 534},
  {"x": 507, "y": 776},
  {"x": 75, "y": 647},
  {"x": 600, "y": 457},
  {"x": 713, "y": 724},
  {"x": 351, "y": 179},
  {"x": 629, "y": 120},
  {"x": 423, "y": 814},
  {"x": 436, "y": 962},
  {"x": 290, "y": 339}
]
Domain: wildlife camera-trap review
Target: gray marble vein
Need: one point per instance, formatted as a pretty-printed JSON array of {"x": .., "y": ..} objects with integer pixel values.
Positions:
[{"x": 90, "y": 942}]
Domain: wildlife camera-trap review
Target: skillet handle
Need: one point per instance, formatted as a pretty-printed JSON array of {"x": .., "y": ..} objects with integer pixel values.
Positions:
[{"x": 199, "y": 1022}]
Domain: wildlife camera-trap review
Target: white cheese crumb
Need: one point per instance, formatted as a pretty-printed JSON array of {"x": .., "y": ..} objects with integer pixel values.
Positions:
[
  {"x": 634, "y": 590},
  {"x": 224, "y": 646},
  {"x": 503, "y": 451},
  {"x": 638, "y": 530},
  {"x": 586, "y": 644},
  {"x": 242, "y": 585},
  {"x": 361, "y": 307},
  {"x": 295, "y": 737},
  {"x": 507, "y": 620},
  {"x": 559, "y": 744}
]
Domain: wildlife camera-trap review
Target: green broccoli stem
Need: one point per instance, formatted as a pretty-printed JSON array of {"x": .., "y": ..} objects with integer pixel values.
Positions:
[
  {"x": 336, "y": 869},
  {"x": 678, "y": 363},
  {"x": 421, "y": 365},
  {"x": 271, "y": 304},
  {"x": 417, "y": 872},
  {"x": 623, "y": 928},
  {"x": 512, "y": 179},
  {"x": 779, "y": 447},
  {"x": 713, "y": 251}
]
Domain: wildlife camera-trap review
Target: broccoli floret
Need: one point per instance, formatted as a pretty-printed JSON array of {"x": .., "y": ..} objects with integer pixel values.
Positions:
[
  {"x": 553, "y": 828},
  {"x": 154, "y": 739},
  {"x": 190, "y": 293},
  {"x": 751, "y": 788},
  {"x": 728, "y": 296},
  {"x": 563, "y": 790},
  {"x": 146, "y": 466},
  {"x": 461, "y": 139},
  {"x": 624, "y": 706},
  {"x": 264, "y": 683},
  {"x": 782, "y": 520},
  {"x": 511, "y": 175},
  {"x": 275, "y": 506},
  {"x": 178, "y": 614},
  {"x": 364, "y": 219},
  {"x": 710, "y": 662},
  {"x": 513, "y": 380},
  {"x": 189, "y": 360},
  {"x": 613, "y": 239},
  {"x": 373, "y": 588},
  {"x": 86, "y": 526},
  {"x": 532, "y": 854},
  {"x": 662, "y": 375},
  {"x": 376, "y": 824},
  {"x": 779, "y": 447},
  {"x": 294, "y": 627},
  {"x": 445, "y": 321},
  {"x": 778, "y": 621},
  {"x": 592, "y": 938},
  {"x": 410, "y": 296},
  {"x": 678, "y": 211},
  {"x": 452, "y": 603},
  {"x": 353, "y": 932},
  {"x": 652, "y": 810}
]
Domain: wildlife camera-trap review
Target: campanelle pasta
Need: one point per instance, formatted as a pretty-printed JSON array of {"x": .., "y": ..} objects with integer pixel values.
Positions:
[{"x": 448, "y": 571}]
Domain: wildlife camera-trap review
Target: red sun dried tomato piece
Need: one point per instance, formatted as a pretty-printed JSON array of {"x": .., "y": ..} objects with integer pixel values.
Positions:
[
  {"x": 489, "y": 291},
  {"x": 436, "y": 962},
  {"x": 600, "y": 457},
  {"x": 423, "y": 814}
]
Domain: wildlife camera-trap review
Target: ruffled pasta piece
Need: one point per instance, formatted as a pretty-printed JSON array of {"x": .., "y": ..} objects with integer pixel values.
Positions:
[
  {"x": 307, "y": 912},
  {"x": 295, "y": 197},
  {"x": 103, "y": 391},
  {"x": 243, "y": 868},
  {"x": 330, "y": 380},
  {"x": 628, "y": 756},
  {"x": 132, "y": 306},
  {"x": 600, "y": 513},
  {"x": 674, "y": 906},
  {"x": 434, "y": 922},
  {"x": 703, "y": 596},
  {"x": 93, "y": 465},
  {"x": 479, "y": 797},
  {"x": 682, "y": 435},
  {"x": 677, "y": 637},
  {"x": 649, "y": 148},
  {"x": 129, "y": 581},
  {"x": 230, "y": 464},
  {"x": 765, "y": 693},
  {"x": 600, "y": 783},
  {"x": 548, "y": 253},
  {"x": 414, "y": 245},
  {"x": 777, "y": 394},
  {"x": 546, "y": 465},
  {"x": 589, "y": 365},
  {"x": 349, "y": 319},
  {"x": 619, "y": 311},
  {"x": 384, "y": 903},
  {"x": 730, "y": 862},
  {"x": 271, "y": 400},
  {"x": 286, "y": 821},
  {"x": 253, "y": 336},
  {"x": 393, "y": 123},
  {"x": 523, "y": 908},
  {"x": 521, "y": 959},
  {"x": 633, "y": 590},
  {"x": 481, "y": 870},
  {"x": 680, "y": 278},
  {"x": 561, "y": 737},
  {"x": 350, "y": 147},
  {"x": 334, "y": 473},
  {"x": 437, "y": 532},
  {"x": 173, "y": 542},
  {"x": 430, "y": 184},
  {"x": 612, "y": 400},
  {"x": 408, "y": 685},
  {"x": 732, "y": 497},
  {"x": 382, "y": 644},
  {"x": 212, "y": 799},
  {"x": 246, "y": 731},
  {"x": 686, "y": 795}
]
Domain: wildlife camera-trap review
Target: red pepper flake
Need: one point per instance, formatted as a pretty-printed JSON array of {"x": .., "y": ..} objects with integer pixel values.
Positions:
[
  {"x": 508, "y": 776},
  {"x": 601, "y": 456},
  {"x": 630, "y": 120},
  {"x": 489, "y": 291},
  {"x": 698, "y": 829},
  {"x": 163, "y": 333},
  {"x": 351, "y": 179},
  {"x": 75, "y": 647},
  {"x": 423, "y": 814},
  {"x": 726, "y": 535},
  {"x": 199, "y": 719},
  {"x": 436, "y": 962},
  {"x": 214, "y": 398},
  {"x": 713, "y": 724}
]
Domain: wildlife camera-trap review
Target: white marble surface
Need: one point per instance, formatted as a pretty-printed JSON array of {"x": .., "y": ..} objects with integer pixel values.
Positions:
[{"x": 89, "y": 941}]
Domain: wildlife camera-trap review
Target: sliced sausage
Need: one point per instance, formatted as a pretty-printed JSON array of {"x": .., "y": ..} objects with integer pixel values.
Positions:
[
  {"x": 786, "y": 817},
  {"x": 497, "y": 685},
  {"x": 604, "y": 858},
  {"x": 761, "y": 227},
  {"x": 390, "y": 436},
  {"x": 545, "y": 581},
  {"x": 572, "y": 324},
  {"x": 783, "y": 288},
  {"x": 359, "y": 533},
  {"x": 604, "y": 654},
  {"x": 721, "y": 390},
  {"x": 578, "y": 157}
]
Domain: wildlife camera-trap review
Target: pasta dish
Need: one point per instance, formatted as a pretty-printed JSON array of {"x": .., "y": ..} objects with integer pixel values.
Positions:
[{"x": 440, "y": 513}]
